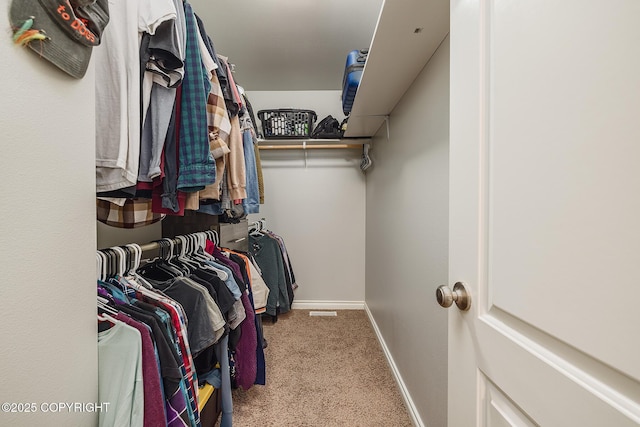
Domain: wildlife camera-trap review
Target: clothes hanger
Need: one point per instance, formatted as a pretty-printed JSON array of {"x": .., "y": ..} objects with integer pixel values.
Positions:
[
  {"x": 261, "y": 227},
  {"x": 130, "y": 258},
  {"x": 195, "y": 246},
  {"x": 191, "y": 244},
  {"x": 120, "y": 278},
  {"x": 254, "y": 229},
  {"x": 103, "y": 304},
  {"x": 107, "y": 311},
  {"x": 170, "y": 261},
  {"x": 101, "y": 261},
  {"x": 201, "y": 244},
  {"x": 210, "y": 236},
  {"x": 366, "y": 161},
  {"x": 162, "y": 262},
  {"x": 200, "y": 241},
  {"x": 109, "y": 264},
  {"x": 105, "y": 266},
  {"x": 196, "y": 251},
  {"x": 173, "y": 249},
  {"x": 123, "y": 260},
  {"x": 183, "y": 259},
  {"x": 106, "y": 263},
  {"x": 98, "y": 265},
  {"x": 206, "y": 258},
  {"x": 104, "y": 317},
  {"x": 114, "y": 262},
  {"x": 136, "y": 259},
  {"x": 213, "y": 236},
  {"x": 102, "y": 300},
  {"x": 202, "y": 258}
]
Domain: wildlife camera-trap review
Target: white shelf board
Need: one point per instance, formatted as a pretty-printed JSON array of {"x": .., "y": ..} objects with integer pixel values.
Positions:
[{"x": 396, "y": 57}]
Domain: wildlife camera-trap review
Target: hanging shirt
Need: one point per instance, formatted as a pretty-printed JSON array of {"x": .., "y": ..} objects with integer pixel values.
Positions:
[
  {"x": 163, "y": 68},
  {"x": 258, "y": 289},
  {"x": 256, "y": 150},
  {"x": 246, "y": 355},
  {"x": 251, "y": 204},
  {"x": 288, "y": 269},
  {"x": 197, "y": 167},
  {"x": 218, "y": 124},
  {"x": 236, "y": 174},
  {"x": 170, "y": 364},
  {"x": 253, "y": 278},
  {"x": 120, "y": 351},
  {"x": 154, "y": 409},
  {"x": 205, "y": 323},
  {"x": 266, "y": 252},
  {"x": 118, "y": 89},
  {"x": 178, "y": 321},
  {"x": 165, "y": 197},
  {"x": 224, "y": 75}
]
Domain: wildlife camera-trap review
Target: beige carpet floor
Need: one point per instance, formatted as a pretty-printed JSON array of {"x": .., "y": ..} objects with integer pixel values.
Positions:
[{"x": 322, "y": 371}]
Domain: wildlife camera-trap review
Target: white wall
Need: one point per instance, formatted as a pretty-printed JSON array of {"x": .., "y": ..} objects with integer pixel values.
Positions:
[
  {"x": 318, "y": 208},
  {"x": 47, "y": 286},
  {"x": 407, "y": 237}
]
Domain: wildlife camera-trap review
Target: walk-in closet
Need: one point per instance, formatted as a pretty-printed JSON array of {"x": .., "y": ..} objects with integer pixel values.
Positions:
[{"x": 466, "y": 249}]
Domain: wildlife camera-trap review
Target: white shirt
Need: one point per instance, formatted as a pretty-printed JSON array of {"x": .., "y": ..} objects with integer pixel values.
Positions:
[
  {"x": 118, "y": 89},
  {"x": 120, "y": 379}
]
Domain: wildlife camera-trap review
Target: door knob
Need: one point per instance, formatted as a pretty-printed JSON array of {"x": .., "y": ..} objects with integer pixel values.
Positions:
[{"x": 446, "y": 297}]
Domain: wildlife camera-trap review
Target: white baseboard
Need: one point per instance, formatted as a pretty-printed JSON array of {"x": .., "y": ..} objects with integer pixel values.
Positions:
[
  {"x": 327, "y": 305},
  {"x": 413, "y": 412}
]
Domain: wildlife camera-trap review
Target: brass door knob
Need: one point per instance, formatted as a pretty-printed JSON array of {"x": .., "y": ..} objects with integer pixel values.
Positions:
[{"x": 446, "y": 297}]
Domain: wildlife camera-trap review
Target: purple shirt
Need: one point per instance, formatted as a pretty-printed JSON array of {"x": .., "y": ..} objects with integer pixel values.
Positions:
[{"x": 246, "y": 357}]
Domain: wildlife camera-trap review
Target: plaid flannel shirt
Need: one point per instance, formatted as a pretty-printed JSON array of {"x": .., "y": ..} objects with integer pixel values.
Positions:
[{"x": 197, "y": 167}]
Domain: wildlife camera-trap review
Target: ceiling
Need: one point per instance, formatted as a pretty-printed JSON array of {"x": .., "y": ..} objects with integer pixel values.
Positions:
[{"x": 288, "y": 44}]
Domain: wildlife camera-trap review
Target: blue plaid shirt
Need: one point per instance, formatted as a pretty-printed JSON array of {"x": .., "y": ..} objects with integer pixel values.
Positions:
[{"x": 197, "y": 166}]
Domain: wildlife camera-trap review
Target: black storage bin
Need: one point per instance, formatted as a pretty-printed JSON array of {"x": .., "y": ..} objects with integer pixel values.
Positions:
[{"x": 287, "y": 123}]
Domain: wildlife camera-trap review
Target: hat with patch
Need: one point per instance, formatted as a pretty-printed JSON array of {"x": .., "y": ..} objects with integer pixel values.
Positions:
[{"x": 72, "y": 29}]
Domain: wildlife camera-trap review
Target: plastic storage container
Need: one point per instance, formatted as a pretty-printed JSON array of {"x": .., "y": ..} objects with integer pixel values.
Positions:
[
  {"x": 351, "y": 78},
  {"x": 287, "y": 123}
]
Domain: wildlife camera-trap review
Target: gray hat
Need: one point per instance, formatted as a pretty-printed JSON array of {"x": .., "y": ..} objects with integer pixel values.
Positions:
[{"x": 72, "y": 28}]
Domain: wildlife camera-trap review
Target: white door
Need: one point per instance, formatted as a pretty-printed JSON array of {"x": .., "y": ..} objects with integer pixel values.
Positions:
[{"x": 545, "y": 213}]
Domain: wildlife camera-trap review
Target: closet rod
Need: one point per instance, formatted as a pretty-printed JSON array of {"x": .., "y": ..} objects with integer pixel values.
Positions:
[
  {"x": 308, "y": 147},
  {"x": 155, "y": 246},
  {"x": 148, "y": 247}
]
